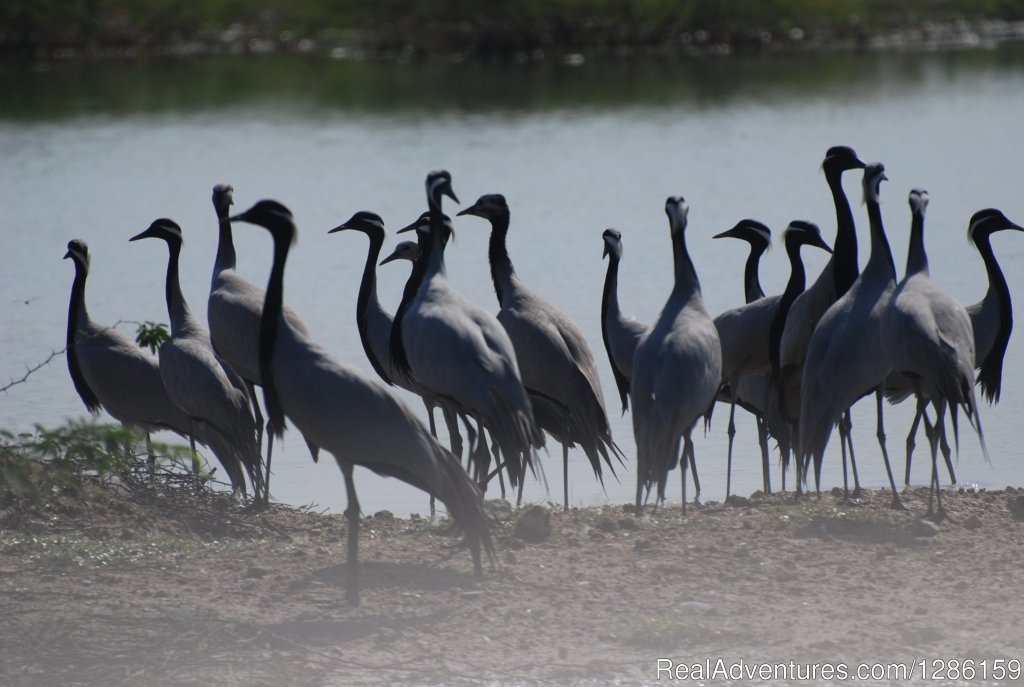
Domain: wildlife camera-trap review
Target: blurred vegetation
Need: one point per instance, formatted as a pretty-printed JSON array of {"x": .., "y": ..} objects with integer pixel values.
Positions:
[
  {"x": 476, "y": 27},
  {"x": 59, "y": 460}
]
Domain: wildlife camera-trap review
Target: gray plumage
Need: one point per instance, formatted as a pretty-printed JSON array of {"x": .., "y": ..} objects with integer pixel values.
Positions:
[
  {"x": 621, "y": 334},
  {"x": 235, "y": 304},
  {"x": 198, "y": 381},
  {"x": 557, "y": 367},
  {"x": 111, "y": 371},
  {"x": 354, "y": 417},
  {"x": 460, "y": 351},
  {"x": 928, "y": 337},
  {"x": 676, "y": 372},
  {"x": 832, "y": 283},
  {"x": 233, "y": 315},
  {"x": 992, "y": 317},
  {"x": 846, "y": 357}
]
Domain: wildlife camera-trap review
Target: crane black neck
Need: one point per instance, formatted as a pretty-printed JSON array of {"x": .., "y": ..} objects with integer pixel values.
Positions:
[
  {"x": 917, "y": 258},
  {"x": 844, "y": 258},
  {"x": 177, "y": 308},
  {"x": 77, "y": 314},
  {"x": 497, "y": 252},
  {"x": 881, "y": 254},
  {"x": 609, "y": 300},
  {"x": 226, "y": 258},
  {"x": 751, "y": 279},
  {"x": 270, "y": 323},
  {"x": 991, "y": 372},
  {"x": 368, "y": 298},
  {"x": 686, "y": 281},
  {"x": 794, "y": 287}
]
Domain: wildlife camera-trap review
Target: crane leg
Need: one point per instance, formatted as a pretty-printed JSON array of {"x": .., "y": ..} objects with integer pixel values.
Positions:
[
  {"x": 911, "y": 443},
  {"x": 842, "y": 449},
  {"x": 519, "y": 495},
  {"x": 565, "y": 477},
  {"x": 946, "y": 453},
  {"x": 687, "y": 455},
  {"x": 897, "y": 502},
  {"x": 933, "y": 483},
  {"x": 266, "y": 476},
  {"x": 853, "y": 457},
  {"x": 732, "y": 435},
  {"x": 151, "y": 462},
  {"x": 696, "y": 479},
  {"x": 433, "y": 433},
  {"x": 352, "y": 512},
  {"x": 762, "y": 442}
]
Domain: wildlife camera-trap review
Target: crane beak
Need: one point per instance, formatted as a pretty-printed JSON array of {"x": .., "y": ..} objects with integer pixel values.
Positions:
[
  {"x": 606, "y": 251},
  {"x": 143, "y": 235},
  {"x": 409, "y": 227},
  {"x": 820, "y": 243},
  {"x": 391, "y": 258},
  {"x": 722, "y": 235},
  {"x": 68, "y": 255},
  {"x": 474, "y": 210},
  {"x": 448, "y": 191}
]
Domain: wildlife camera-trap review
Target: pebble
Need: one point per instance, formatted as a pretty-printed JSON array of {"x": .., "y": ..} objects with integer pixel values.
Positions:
[
  {"x": 256, "y": 572},
  {"x": 924, "y": 528},
  {"x": 606, "y": 525},
  {"x": 973, "y": 522},
  {"x": 534, "y": 525}
]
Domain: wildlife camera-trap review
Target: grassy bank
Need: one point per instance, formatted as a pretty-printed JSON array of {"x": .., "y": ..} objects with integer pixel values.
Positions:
[{"x": 505, "y": 28}]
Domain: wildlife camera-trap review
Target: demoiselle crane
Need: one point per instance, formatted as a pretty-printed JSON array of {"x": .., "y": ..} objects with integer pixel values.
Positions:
[
  {"x": 460, "y": 351},
  {"x": 621, "y": 334},
  {"x": 354, "y": 417},
  {"x": 929, "y": 339},
  {"x": 198, "y": 381},
  {"x": 846, "y": 357},
  {"x": 111, "y": 371},
  {"x": 676, "y": 372},
  {"x": 557, "y": 367},
  {"x": 233, "y": 314}
]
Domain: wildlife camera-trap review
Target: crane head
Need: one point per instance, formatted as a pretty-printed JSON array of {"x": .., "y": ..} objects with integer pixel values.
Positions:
[
  {"x": 439, "y": 183},
  {"x": 839, "y": 159},
  {"x": 406, "y": 250},
  {"x": 223, "y": 199},
  {"x": 78, "y": 251},
  {"x": 677, "y": 211},
  {"x": 874, "y": 175},
  {"x": 272, "y": 216},
  {"x": 364, "y": 221},
  {"x": 612, "y": 243},
  {"x": 750, "y": 230},
  {"x": 490, "y": 207},
  {"x": 163, "y": 228},
  {"x": 988, "y": 221},
  {"x": 918, "y": 200},
  {"x": 803, "y": 233}
]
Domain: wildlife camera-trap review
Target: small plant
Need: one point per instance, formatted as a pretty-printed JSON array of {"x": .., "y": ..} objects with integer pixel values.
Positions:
[
  {"x": 151, "y": 335},
  {"x": 58, "y": 459}
]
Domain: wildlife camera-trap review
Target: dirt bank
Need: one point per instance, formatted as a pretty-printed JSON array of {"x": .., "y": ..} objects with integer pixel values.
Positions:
[{"x": 109, "y": 589}]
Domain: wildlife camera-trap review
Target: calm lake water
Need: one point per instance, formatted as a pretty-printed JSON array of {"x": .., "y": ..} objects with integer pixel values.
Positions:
[{"x": 97, "y": 150}]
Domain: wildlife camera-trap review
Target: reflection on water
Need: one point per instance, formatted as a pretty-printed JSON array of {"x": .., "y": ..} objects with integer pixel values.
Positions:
[
  {"x": 57, "y": 89},
  {"x": 98, "y": 149}
]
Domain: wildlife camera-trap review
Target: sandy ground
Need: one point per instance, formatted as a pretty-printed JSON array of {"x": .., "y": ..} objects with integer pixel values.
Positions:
[{"x": 112, "y": 588}]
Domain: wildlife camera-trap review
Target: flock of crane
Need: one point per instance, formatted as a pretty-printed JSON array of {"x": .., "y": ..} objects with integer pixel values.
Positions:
[{"x": 798, "y": 360}]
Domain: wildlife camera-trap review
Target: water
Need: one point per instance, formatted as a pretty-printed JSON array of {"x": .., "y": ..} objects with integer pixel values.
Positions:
[{"x": 97, "y": 150}]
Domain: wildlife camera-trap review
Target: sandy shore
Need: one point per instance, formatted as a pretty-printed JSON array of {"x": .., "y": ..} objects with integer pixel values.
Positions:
[{"x": 109, "y": 589}]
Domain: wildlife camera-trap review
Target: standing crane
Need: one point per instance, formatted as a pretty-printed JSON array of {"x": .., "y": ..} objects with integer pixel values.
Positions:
[
  {"x": 929, "y": 340},
  {"x": 557, "y": 367},
  {"x": 352, "y": 416},
  {"x": 846, "y": 357},
  {"x": 198, "y": 381},
  {"x": 676, "y": 372},
  {"x": 233, "y": 314}
]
